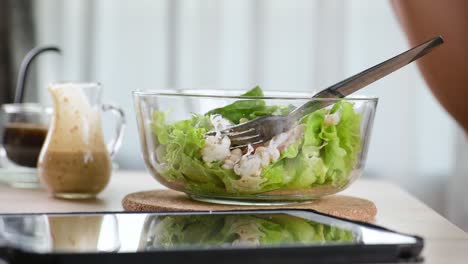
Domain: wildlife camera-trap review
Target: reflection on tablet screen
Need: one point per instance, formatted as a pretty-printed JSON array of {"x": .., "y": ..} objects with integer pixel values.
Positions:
[
  {"x": 238, "y": 230},
  {"x": 131, "y": 232}
]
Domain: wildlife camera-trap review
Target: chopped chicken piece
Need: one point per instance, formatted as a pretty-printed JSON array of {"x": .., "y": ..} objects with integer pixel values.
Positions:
[
  {"x": 251, "y": 241},
  {"x": 248, "y": 183},
  {"x": 236, "y": 155},
  {"x": 219, "y": 123},
  {"x": 295, "y": 134},
  {"x": 228, "y": 164},
  {"x": 161, "y": 167},
  {"x": 284, "y": 140},
  {"x": 216, "y": 149},
  {"x": 249, "y": 234},
  {"x": 274, "y": 153},
  {"x": 248, "y": 166},
  {"x": 265, "y": 157},
  {"x": 279, "y": 139},
  {"x": 251, "y": 164},
  {"x": 332, "y": 119}
]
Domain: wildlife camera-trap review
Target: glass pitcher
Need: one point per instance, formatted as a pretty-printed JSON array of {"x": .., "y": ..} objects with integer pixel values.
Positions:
[{"x": 75, "y": 162}]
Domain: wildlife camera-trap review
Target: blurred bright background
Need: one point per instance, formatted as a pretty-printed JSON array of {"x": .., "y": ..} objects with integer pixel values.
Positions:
[{"x": 298, "y": 45}]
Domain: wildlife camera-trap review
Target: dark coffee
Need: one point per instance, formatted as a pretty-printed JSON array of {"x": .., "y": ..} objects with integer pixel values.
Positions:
[{"x": 23, "y": 142}]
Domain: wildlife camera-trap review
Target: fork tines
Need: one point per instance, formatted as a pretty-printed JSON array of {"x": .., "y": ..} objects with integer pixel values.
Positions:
[{"x": 240, "y": 139}]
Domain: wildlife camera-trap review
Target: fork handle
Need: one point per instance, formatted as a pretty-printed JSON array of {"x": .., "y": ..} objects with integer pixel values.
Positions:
[{"x": 366, "y": 77}]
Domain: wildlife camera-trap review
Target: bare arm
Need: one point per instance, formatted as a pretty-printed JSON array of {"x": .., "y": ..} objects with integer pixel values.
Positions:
[{"x": 445, "y": 70}]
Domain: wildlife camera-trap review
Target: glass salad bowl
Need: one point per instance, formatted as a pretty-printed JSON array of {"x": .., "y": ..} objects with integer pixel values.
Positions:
[{"x": 322, "y": 154}]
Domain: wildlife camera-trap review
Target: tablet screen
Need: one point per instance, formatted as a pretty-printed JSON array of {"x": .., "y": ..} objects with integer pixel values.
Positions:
[{"x": 134, "y": 232}]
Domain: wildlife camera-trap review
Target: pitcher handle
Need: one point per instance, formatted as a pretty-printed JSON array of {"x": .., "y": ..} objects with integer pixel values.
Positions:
[{"x": 116, "y": 142}]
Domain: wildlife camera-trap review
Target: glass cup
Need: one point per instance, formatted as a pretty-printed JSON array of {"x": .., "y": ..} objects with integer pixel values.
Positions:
[
  {"x": 23, "y": 131},
  {"x": 75, "y": 162},
  {"x": 28, "y": 232}
]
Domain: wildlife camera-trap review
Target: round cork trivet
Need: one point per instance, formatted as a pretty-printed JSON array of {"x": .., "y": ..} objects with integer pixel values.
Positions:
[{"x": 168, "y": 200}]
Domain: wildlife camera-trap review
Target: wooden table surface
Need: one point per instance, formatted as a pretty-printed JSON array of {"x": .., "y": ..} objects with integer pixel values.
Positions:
[{"x": 398, "y": 210}]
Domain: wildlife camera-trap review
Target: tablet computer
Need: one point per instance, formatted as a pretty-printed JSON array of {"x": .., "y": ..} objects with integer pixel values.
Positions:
[{"x": 260, "y": 236}]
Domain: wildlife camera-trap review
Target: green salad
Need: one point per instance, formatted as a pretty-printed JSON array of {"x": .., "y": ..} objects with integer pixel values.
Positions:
[
  {"x": 240, "y": 230},
  {"x": 321, "y": 150}
]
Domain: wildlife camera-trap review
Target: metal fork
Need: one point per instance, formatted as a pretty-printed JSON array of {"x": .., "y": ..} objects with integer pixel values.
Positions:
[{"x": 262, "y": 129}]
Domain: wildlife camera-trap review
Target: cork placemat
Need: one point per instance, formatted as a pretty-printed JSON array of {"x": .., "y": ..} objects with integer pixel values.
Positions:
[{"x": 168, "y": 200}]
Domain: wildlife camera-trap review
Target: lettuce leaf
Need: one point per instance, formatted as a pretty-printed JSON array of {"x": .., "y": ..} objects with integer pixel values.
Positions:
[
  {"x": 256, "y": 91},
  {"x": 180, "y": 155},
  {"x": 341, "y": 143},
  {"x": 326, "y": 155},
  {"x": 249, "y": 109}
]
